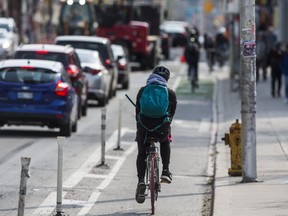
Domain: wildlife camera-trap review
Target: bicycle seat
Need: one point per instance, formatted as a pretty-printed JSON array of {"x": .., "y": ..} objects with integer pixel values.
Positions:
[{"x": 153, "y": 139}]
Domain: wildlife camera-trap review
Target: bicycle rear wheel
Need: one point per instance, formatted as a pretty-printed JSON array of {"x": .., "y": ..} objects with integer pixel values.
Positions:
[{"x": 152, "y": 185}]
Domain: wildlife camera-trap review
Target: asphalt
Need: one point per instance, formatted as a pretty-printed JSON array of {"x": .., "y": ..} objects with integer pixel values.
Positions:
[{"x": 269, "y": 194}]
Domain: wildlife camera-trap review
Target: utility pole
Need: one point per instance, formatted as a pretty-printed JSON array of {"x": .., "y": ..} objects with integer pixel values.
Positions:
[{"x": 248, "y": 88}]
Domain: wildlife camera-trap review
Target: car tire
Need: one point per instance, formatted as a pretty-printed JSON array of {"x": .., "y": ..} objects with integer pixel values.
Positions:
[
  {"x": 125, "y": 85},
  {"x": 75, "y": 126},
  {"x": 66, "y": 129},
  {"x": 84, "y": 109},
  {"x": 79, "y": 109},
  {"x": 103, "y": 101}
]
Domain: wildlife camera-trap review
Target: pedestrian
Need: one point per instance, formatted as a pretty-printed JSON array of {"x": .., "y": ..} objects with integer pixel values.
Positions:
[
  {"x": 274, "y": 60},
  {"x": 192, "y": 54},
  {"x": 222, "y": 46},
  {"x": 270, "y": 41},
  {"x": 154, "y": 126},
  {"x": 261, "y": 57},
  {"x": 284, "y": 70}
]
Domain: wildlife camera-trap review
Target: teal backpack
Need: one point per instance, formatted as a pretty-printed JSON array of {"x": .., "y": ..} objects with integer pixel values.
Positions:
[{"x": 154, "y": 103}]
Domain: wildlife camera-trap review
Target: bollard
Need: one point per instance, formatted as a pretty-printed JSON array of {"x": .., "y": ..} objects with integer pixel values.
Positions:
[
  {"x": 233, "y": 139},
  {"x": 61, "y": 141},
  {"x": 119, "y": 127},
  {"x": 25, "y": 161},
  {"x": 103, "y": 131}
]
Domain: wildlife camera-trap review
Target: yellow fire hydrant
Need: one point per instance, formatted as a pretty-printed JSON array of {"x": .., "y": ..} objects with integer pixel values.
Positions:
[{"x": 233, "y": 139}]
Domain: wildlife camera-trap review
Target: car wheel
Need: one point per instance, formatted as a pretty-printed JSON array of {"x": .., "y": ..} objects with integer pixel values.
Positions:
[
  {"x": 84, "y": 108},
  {"x": 103, "y": 101},
  {"x": 125, "y": 85},
  {"x": 66, "y": 129},
  {"x": 114, "y": 92},
  {"x": 79, "y": 109},
  {"x": 74, "y": 126}
]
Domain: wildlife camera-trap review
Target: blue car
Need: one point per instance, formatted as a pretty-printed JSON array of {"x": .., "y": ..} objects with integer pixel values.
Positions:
[{"x": 37, "y": 92}]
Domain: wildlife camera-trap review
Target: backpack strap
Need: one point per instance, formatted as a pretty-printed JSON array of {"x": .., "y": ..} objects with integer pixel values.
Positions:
[{"x": 165, "y": 120}]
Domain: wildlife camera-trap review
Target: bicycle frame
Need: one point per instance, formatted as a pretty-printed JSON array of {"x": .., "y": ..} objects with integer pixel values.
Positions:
[{"x": 152, "y": 179}]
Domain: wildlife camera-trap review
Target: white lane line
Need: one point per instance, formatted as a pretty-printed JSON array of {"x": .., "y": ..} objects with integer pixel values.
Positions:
[
  {"x": 176, "y": 83},
  {"x": 48, "y": 206},
  {"x": 77, "y": 176},
  {"x": 95, "y": 195}
]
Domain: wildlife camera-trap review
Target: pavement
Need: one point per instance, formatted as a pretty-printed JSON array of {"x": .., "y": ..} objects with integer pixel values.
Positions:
[{"x": 269, "y": 194}]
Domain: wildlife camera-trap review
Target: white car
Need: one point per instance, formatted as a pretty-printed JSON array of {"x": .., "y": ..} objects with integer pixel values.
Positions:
[
  {"x": 11, "y": 36},
  {"x": 7, "y": 48},
  {"x": 98, "y": 76}
]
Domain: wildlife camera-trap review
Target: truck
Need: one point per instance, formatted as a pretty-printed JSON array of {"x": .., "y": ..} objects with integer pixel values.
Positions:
[
  {"x": 135, "y": 25},
  {"x": 77, "y": 18}
]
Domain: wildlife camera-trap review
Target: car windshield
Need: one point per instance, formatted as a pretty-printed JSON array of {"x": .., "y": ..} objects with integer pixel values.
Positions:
[
  {"x": 27, "y": 75},
  {"x": 43, "y": 55},
  {"x": 75, "y": 11}
]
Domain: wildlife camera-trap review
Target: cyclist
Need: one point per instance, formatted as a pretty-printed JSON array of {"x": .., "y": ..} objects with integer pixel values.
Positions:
[
  {"x": 160, "y": 75},
  {"x": 192, "y": 54}
]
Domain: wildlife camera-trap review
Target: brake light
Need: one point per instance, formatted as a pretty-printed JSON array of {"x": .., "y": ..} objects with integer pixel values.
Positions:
[
  {"x": 61, "y": 89},
  {"x": 27, "y": 67},
  {"x": 72, "y": 70},
  {"x": 42, "y": 52},
  {"x": 107, "y": 61}
]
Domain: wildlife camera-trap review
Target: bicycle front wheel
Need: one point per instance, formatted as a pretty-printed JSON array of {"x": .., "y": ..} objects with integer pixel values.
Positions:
[{"x": 152, "y": 185}]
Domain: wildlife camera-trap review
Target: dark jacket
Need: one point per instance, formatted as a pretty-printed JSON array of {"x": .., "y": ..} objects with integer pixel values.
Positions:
[
  {"x": 274, "y": 59},
  {"x": 284, "y": 63},
  {"x": 192, "y": 53}
]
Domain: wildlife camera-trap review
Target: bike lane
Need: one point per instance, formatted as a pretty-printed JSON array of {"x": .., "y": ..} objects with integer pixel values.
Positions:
[{"x": 190, "y": 148}]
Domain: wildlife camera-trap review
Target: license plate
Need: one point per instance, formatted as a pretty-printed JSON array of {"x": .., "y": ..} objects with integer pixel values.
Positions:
[{"x": 25, "y": 95}]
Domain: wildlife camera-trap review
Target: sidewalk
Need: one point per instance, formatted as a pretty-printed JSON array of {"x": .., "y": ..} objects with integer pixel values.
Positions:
[{"x": 269, "y": 196}]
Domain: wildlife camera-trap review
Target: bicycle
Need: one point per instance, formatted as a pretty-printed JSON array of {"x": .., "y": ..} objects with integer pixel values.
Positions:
[{"x": 152, "y": 179}]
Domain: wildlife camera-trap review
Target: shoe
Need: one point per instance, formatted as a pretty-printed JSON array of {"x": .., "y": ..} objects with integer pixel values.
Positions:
[
  {"x": 166, "y": 177},
  {"x": 140, "y": 192}
]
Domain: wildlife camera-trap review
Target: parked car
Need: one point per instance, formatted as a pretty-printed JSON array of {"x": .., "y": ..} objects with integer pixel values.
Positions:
[
  {"x": 37, "y": 92},
  {"x": 99, "y": 78},
  {"x": 124, "y": 69},
  {"x": 100, "y": 44},
  {"x": 69, "y": 58},
  {"x": 7, "y": 47},
  {"x": 9, "y": 24},
  {"x": 178, "y": 31}
]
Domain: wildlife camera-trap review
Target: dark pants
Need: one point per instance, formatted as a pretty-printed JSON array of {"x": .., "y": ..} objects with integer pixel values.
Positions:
[
  {"x": 165, "y": 149},
  {"x": 276, "y": 82},
  {"x": 261, "y": 65}
]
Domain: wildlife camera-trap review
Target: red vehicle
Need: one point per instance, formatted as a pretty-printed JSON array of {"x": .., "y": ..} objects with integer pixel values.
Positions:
[{"x": 130, "y": 26}]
